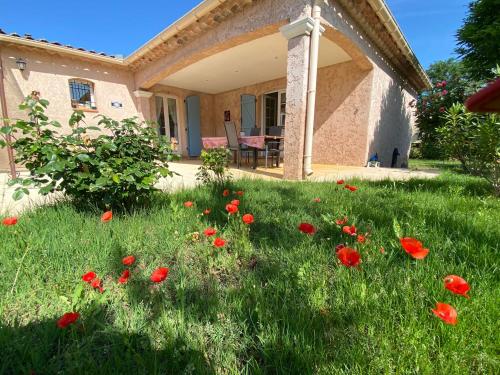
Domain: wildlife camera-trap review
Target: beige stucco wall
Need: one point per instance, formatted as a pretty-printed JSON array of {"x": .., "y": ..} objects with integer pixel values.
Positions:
[
  {"x": 342, "y": 111},
  {"x": 49, "y": 74},
  {"x": 391, "y": 119}
]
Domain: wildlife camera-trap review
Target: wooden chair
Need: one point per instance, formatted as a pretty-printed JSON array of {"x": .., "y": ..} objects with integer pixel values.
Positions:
[{"x": 232, "y": 141}]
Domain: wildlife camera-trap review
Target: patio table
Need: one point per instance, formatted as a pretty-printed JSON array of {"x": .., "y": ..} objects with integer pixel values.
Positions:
[{"x": 256, "y": 142}]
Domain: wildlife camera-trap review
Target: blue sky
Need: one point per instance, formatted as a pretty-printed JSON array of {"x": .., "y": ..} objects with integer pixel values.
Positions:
[{"x": 120, "y": 27}]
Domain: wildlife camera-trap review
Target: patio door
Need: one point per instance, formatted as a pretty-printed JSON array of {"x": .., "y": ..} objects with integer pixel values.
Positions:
[
  {"x": 166, "y": 118},
  {"x": 193, "y": 125},
  {"x": 274, "y": 109}
]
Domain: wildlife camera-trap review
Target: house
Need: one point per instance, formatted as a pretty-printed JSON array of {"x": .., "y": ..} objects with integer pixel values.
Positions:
[{"x": 338, "y": 75}]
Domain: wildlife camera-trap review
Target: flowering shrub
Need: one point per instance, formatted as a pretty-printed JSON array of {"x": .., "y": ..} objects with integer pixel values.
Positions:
[
  {"x": 474, "y": 140},
  {"x": 119, "y": 167}
]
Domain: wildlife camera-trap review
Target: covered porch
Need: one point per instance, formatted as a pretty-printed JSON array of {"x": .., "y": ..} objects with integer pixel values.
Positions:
[{"x": 259, "y": 82}]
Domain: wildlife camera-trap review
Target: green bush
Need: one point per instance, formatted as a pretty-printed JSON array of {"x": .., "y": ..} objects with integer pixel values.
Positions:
[
  {"x": 117, "y": 167},
  {"x": 474, "y": 140},
  {"x": 214, "y": 166}
]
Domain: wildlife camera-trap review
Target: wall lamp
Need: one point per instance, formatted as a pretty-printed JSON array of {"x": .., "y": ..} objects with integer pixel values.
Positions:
[{"x": 21, "y": 64}]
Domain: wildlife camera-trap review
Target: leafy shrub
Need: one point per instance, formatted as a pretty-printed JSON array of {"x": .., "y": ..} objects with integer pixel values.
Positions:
[
  {"x": 118, "y": 168},
  {"x": 214, "y": 167},
  {"x": 474, "y": 140}
]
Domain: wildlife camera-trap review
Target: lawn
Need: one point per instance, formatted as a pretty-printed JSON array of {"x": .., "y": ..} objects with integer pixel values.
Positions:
[{"x": 272, "y": 299}]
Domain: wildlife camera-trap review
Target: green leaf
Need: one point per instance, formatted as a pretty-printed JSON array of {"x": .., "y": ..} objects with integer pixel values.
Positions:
[
  {"x": 77, "y": 295},
  {"x": 83, "y": 157},
  {"x": 46, "y": 189},
  {"x": 18, "y": 194},
  {"x": 116, "y": 178},
  {"x": 397, "y": 228},
  {"x": 164, "y": 172},
  {"x": 6, "y": 130}
]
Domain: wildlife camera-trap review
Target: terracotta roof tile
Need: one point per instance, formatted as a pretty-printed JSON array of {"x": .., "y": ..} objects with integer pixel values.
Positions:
[{"x": 30, "y": 37}]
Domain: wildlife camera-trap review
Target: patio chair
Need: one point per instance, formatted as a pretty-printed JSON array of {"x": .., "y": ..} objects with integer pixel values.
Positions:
[
  {"x": 245, "y": 150},
  {"x": 232, "y": 141},
  {"x": 275, "y": 148}
]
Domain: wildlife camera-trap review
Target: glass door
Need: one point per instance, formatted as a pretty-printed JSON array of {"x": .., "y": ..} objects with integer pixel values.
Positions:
[
  {"x": 274, "y": 109},
  {"x": 166, "y": 118},
  {"x": 282, "y": 107}
]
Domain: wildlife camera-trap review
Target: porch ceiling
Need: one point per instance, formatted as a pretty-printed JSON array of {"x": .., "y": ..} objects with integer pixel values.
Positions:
[{"x": 259, "y": 60}]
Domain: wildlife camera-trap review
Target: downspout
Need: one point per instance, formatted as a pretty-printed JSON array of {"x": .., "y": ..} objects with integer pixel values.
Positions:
[
  {"x": 311, "y": 91},
  {"x": 3, "y": 104}
]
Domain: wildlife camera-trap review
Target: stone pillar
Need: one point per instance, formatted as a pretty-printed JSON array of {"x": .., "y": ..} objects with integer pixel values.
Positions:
[
  {"x": 297, "y": 33},
  {"x": 144, "y": 104}
]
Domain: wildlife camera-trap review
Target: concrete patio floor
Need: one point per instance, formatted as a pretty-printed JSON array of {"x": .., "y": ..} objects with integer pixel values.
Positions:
[{"x": 186, "y": 178}]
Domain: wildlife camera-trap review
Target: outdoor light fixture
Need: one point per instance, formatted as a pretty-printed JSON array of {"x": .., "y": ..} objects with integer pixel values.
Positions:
[{"x": 21, "y": 63}]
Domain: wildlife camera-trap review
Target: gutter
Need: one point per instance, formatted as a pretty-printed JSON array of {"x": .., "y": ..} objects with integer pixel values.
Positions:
[
  {"x": 5, "y": 114},
  {"x": 194, "y": 15}
]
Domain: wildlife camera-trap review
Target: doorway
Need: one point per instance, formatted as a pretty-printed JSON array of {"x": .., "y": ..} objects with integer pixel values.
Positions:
[
  {"x": 167, "y": 118},
  {"x": 274, "y": 109}
]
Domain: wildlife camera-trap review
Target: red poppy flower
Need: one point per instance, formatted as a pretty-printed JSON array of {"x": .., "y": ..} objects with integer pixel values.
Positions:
[
  {"x": 188, "y": 204},
  {"x": 128, "y": 260},
  {"x": 382, "y": 250},
  {"x": 88, "y": 277},
  {"x": 317, "y": 200},
  {"x": 341, "y": 221},
  {"x": 444, "y": 92},
  {"x": 236, "y": 202},
  {"x": 457, "y": 285},
  {"x": 247, "y": 218},
  {"x": 350, "y": 230},
  {"x": 97, "y": 284},
  {"x": 239, "y": 193},
  {"x": 231, "y": 208},
  {"x": 107, "y": 216},
  {"x": 210, "y": 231},
  {"x": 67, "y": 319},
  {"x": 349, "y": 257},
  {"x": 225, "y": 193},
  {"x": 340, "y": 246},
  {"x": 124, "y": 277},
  {"x": 9, "y": 221},
  {"x": 207, "y": 211},
  {"x": 307, "y": 228},
  {"x": 159, "y": 275},
  {"x": 414, "y": 247},
  {"x": 219, "y": 242},
  {"x": 361, "y": 238},
  {"x": 340, "y": 182},
  {"x": 446, "y": 313},
  {"x": 351, "y": 188}
]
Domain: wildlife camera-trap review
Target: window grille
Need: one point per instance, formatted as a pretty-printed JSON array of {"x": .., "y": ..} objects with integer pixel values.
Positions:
[{"x": 82, "y": 94}]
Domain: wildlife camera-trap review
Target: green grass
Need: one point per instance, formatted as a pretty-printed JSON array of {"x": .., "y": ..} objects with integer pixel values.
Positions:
[
  {"x": 276, "y": 301},
  {"x": 425, "y": 164}
]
